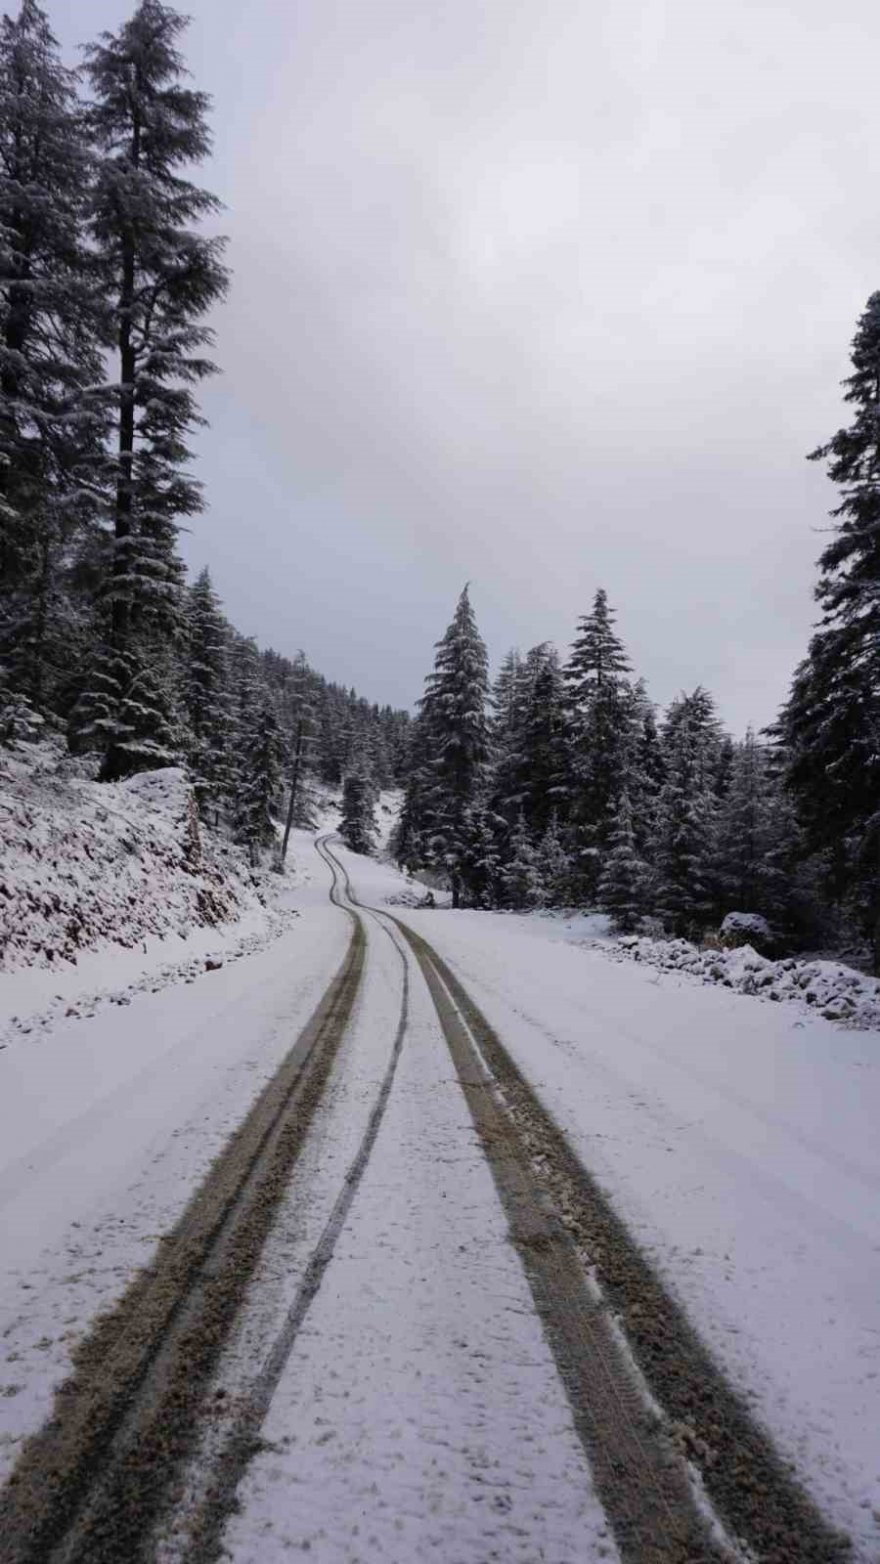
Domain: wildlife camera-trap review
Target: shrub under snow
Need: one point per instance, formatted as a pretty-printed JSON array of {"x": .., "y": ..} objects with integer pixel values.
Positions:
[
  {"x": 738, "y": 927},
  {"x": 836, "y": 992}
]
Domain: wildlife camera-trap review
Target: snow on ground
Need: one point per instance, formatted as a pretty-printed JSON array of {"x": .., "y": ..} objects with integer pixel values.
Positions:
[
  {"x": 420, "y": 1415},
  {"x": 88, "y": 866},
  {"x": 107, "y": 1123},
  {"x": 109, "y": 891},
  {"x": 739, "y": 1140},
  {"x": 837, "y": 992}
]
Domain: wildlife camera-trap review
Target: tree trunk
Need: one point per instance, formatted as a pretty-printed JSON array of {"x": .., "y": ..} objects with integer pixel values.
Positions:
[
  {"x": 294, "y": 784},
  {"x": 124, "y": 511},
  {"x": 122, "y": 561},
  {"x": 36, "y": 679}
]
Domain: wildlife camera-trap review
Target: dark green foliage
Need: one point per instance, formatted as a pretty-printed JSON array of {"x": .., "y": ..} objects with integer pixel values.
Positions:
[
  {"x": 160, "y": 274},
  {"x": 258, "y": 799},
  {"x": 623, "y": 884},
  {"x": 830, "y": 726},
  {"x": 758, "y": 840},
  {"x": 600, "y": 713},
  {"x": 51, "y": 424},
  {"x": 521, "y": 880},
  {"x": 456, "y": 738},
  {"x": 684, "y": 857},
  {"x": 358, "y": 824},
  {"x": 207, "y": 695}
]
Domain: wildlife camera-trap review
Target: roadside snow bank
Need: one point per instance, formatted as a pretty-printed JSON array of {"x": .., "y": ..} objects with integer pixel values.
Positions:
[
  {"x": 87, "y": 865},
  {"x": 836, "y": 992}
]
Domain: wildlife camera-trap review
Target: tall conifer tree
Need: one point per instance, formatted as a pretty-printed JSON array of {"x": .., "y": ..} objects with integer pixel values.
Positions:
[
  {"x": 831, "y": 723},
  {"x": 600, "y": 711},
  {"x": 162, "y": 275},
  {"x": 51, "y": 425},
  {"x": 207, "y": 695},
  {"x": 456, "y": 731}
]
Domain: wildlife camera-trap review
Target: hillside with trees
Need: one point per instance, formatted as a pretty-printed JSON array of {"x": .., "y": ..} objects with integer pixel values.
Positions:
[
  {"x": 562, "y": 785},
  {"x": 109, "y": 273}
]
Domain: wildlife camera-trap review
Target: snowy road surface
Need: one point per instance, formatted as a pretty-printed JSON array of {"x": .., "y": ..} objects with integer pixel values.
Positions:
[
  {"x": 419, "y": 1415},
  {"x": 416, "y": 1410}
]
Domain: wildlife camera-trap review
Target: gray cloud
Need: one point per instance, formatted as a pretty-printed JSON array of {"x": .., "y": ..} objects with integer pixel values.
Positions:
[{"x": 544, "y": 295}]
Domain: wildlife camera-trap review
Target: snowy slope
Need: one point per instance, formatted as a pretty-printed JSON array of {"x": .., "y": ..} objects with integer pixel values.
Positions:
[
  {"x": 109, "y": 1119},
  {"x": 87, "y": 865}
]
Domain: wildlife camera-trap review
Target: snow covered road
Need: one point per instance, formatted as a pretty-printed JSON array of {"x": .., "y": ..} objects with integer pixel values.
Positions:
[
  {"x": 419, "y": 1415},
  {"x": 739, "y": 1141},
  {"x": 384, "y": 1343},
  {"x": 107, "y": 1124}
]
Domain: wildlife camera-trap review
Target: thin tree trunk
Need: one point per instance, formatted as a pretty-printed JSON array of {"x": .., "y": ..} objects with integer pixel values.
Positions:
[
  {"x": 41, "y": 618},
  {"x": 124, "y": 511},
  {"x": 294, "y": 785},
  {"x": 124, "y": 483}
]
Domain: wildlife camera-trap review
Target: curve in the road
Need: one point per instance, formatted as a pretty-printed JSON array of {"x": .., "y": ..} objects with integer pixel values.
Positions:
[
  {"x": 242, "y": 1438},
  {"x": 90, "y": 1484},
  {"x": 566, "y": 1231}
]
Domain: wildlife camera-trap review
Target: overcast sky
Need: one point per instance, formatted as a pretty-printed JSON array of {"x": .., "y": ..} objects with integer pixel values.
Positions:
[{"x": 544, "y": 294}]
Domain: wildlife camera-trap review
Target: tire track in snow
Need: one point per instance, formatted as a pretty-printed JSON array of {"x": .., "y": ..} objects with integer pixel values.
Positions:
[
  {"x": 565, "y": 1229},
  {"x": 242, "y": 1440},
  {"x": 89, "y": 1486}
]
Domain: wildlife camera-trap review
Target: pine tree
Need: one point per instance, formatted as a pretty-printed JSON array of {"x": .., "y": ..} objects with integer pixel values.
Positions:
[
  {"x": 456, "y": 731},
  {"x": 546, "y": 783},
  {"x": 408, "y": 839},
  {"x": 757, "y": 838},
  {"x": 260, "y": 780},
  {"x": 161, "y": 275},
  {"x": 831, "y": 723},
  {"x": 484, "y": 840},
  {"x": 695, "y": 714},
  {"x": 644, "y": 770},
  {"x": 554, "y": 866},
  {"x": 685, "y": 854},
  {"x": 358, "y": 824},
  {"x": 623, "y": 883},
  {"x": 600, "y": 708},
  {"x": 51, "y": 427},
  {"x": 294, "y": 689},
  {"x": 509, "y": 702},
  {"x": 522, "y": 883},
  {"x": 146, "y": 731},
  {"x": 207, "y": 694}
]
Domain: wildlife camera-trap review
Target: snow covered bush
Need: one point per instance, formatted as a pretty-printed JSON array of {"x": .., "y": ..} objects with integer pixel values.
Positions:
[
  {"x": 836, "y": 992},
  {"x": 746, "y": 928}
]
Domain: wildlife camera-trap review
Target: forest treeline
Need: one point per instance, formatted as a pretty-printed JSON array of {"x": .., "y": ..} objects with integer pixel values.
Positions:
[
  {"x": 560, "y": 785},
  {"x": 108, "y": 274}
]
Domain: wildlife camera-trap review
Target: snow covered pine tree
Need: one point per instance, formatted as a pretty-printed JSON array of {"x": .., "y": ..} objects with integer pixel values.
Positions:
[
  {"x": 831, "y": 723},
  {"x": 162, "y": 274},
  {"x": 51, "y": 428},
  {"x": 456, "y": 732},
  {"x": 358, "y": 824}
]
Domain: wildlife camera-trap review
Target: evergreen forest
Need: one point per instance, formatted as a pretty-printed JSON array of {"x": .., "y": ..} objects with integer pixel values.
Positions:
[
  {"x": 558, "y": 783},
  {"x": 109, "y": 272}
]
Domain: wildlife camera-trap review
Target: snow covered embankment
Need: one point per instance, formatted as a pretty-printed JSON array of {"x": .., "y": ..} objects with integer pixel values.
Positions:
[
  {"x": 836, "y": 992},
  {"x": 86, "y": 865}
]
